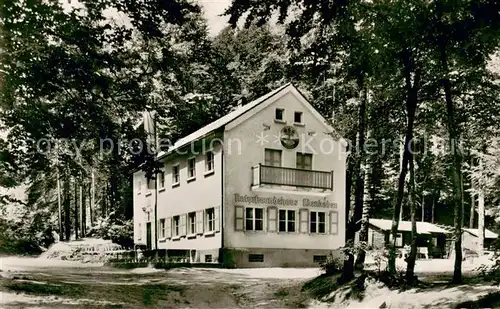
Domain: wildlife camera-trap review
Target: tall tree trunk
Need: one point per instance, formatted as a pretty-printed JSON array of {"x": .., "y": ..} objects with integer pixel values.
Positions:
[
  {"x": 472, "y": 199},
  {"x": 433, "y": 206},
  {"x": 410, "y": 270},
  {"x": 67, "y": 207},
  {"x": 92, "y": 198},
  {"x": 365, "y": 217},
  {"x": 480, "y": 216},
  {"x": 75, "y": 188},
  {"x": 80, "y": 207},
  {"x": 348, "y": 269},
  {"x": 84, "y": 210},
  {"x": 423, "y": 206},
  {"x": 455, "y": 153},
  {"x": 59, "y": 206},
  {"x": 411, "y": 107}
]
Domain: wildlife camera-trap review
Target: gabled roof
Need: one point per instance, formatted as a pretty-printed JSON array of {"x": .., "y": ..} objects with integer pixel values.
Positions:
[
  {"x": 487, "y": 233},
  {"x": 405, "y": 226},
  {"x": 219, "y": 123}
]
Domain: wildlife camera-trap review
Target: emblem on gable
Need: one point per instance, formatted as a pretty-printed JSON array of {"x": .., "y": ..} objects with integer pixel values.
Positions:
[{"x": 289, "y": 137}]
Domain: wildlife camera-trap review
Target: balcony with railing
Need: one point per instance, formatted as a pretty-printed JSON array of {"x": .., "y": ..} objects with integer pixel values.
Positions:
[{"x": 292, "y": 177}]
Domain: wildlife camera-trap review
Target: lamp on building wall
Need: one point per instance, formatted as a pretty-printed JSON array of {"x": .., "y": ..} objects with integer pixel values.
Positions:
[
  {"x": 266, "y": 126},
  {"x": 144, "y": 209}
]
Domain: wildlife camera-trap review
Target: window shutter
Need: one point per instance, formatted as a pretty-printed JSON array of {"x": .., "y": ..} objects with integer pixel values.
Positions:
[
  {"x": 304, "y": 220},
  {"x": 168, "y": 223},
  {"x": 182, "y": 228},
  {"x": 272, "y": 219},
  {"x": 217, "y": 218},
  {"x": 199, "y": 222},
  {"x": 239, "y": 218},
  {"x": 205, "y": 221},
  {"x": 334, "y": 222}
]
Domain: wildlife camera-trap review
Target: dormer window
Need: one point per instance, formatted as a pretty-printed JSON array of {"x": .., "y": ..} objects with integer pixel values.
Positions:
[
  {"x": 297, "y": 117},
  {"x": 279, "y": 114}
]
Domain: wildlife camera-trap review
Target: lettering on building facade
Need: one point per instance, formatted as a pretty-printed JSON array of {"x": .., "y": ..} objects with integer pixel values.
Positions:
[{"x": 281, "y": 201}]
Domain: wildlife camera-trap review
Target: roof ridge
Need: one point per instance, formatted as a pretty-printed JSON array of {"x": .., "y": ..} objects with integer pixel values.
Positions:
[{"x": 222, "y": 121}]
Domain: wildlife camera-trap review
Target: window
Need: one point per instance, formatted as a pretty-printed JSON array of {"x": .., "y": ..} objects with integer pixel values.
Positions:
[
  {"x": 176, "y": 226},
  {"x": 209, "y": 162},
  {"x": 256, "y": 258},
  {"x": 297, "y": 117},
  {"x": 399, "y": 239},
  {"x": 317, "y": 222},
  {"x": 254, "y": 218},
  {"x": 287, "y": 220},
  {"x": 280, "y": 114},
  {"x": 191, "y": 168},
  {"x": 176, "y": 177},
  {"x": 139, "y": 186},
  {"x": 192, "y": 223},
  {"x": 139, "y": 231},
  {"x": 162, "y": 228},
  {"x": 304, "y": 161},
  {"x": 210, "y": 217},
  {"x": 272, "y": 157},
  {"x": 319, "y": 259},
  {"x": 161, "y": 180},
  {"x": 208, "y": 258}
]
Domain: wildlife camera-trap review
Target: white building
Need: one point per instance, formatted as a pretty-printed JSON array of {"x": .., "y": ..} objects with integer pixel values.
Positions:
[{"x": 261, "y": 186}]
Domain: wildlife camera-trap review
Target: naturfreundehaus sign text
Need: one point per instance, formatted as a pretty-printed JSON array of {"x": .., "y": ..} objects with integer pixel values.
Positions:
[{"x": 282, "y": 201}]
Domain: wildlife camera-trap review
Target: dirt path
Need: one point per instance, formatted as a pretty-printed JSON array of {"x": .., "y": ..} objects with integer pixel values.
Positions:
[{"x": 101, "y": 287}]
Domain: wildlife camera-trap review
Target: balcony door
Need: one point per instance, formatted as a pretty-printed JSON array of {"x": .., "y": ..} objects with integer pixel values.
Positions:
[
  {"x": 272, "y": 157},
  {"x": 304, "y": 165}
]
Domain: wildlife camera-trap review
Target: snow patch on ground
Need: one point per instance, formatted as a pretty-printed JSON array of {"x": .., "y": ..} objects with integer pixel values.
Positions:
[
  {"x": 23, "y": 263},
  {"x": 89, "y": 250},
  {"x": 274, "y": 272},
  {"x": 435, "y": 265},
  {"x": 376, "y": 296},
  {"x": 146, "y": 270}
]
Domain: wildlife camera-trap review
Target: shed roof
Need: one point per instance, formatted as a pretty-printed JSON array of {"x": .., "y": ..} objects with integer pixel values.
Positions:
[
  {"x": 487, "y": 233},
  {"x": 405, "y": 226}
]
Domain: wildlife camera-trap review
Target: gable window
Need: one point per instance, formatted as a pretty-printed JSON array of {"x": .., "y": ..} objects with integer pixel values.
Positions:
[
  {"x": 304, "y": 161},
  {"x": 209, "y": 162},
  {"x": 176, "y": 177},
  {"x": 279, "y": 114},
  {"x": 161, "y": 180},
  {"x": 272, "y": 157},
  {"x": 192, "y": 223},
  {"x": 254, "y": 218},
  {"x": 162, "y": 228},
  {"x": 297, "y": 117},
  {"x": 317, "y": 222},
  {"x": 210, "y": 219},
  {"x": 191, "y": 168},
  {"x": 286, "y": 220},
  {"x": 176, "y": 229}
]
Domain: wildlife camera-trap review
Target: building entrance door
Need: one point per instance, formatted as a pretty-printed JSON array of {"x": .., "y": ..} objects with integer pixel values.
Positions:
[{"x": 148, "y": 235}]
